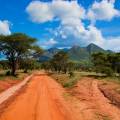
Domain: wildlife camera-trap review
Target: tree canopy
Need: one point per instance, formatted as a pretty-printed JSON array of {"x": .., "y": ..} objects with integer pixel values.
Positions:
[
  {"x": 107, "y": 63},
  {"x": 16, "y": 46}
]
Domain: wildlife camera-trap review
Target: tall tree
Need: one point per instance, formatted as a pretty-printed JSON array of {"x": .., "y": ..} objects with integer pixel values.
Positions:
[
  {"x": 107, "y": 63},
  {"x": 15, "y": 47},
  {"x": 60, "y": 61},
  {"x": 102, "y": 63}
]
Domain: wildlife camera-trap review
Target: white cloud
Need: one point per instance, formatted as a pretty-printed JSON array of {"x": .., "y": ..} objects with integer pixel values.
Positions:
[
  {"x": 93, "y": 35},
  {"x": 70, "y": 15},
  {"x": 112, "y": 43},
  {"x": 103, "y": 10},
  {"x": 66, "y": 9},
  {"x": 42, "y": 11},
  {"x": 5, "y": 27},
  {"x": 39, "y": 11},
  {"x": 50, "y": 42}
]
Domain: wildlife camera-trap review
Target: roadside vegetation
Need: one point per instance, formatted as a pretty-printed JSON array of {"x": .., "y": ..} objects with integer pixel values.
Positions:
[
  {"x": 65, "y": 79},
  {"x": 18, "y": 47},
  {"x": 21, "y": 57},
  {"x": 21, "y": 53},
  {"x": 107, "y": 63},
  {"x": 103, "y": 66}
]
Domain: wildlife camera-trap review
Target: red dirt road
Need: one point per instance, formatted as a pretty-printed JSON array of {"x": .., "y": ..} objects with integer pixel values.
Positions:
[{"x": 42, "y": 100}]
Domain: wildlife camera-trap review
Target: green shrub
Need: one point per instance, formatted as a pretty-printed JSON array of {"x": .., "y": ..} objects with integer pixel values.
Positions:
[
  {"x": 71, "y": 74},
  {"x": 108, "y": 71},
  {"x": 8, "y": 73}
]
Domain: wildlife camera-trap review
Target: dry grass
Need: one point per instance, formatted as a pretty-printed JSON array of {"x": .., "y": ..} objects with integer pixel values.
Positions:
[
  {"x": 20, "y": 75},
  {"x": 65, "y": 80}
]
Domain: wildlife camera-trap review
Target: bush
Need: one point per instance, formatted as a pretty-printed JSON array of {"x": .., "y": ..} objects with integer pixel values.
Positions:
[
  {"x": 70, "y": 83},
  {"x": 8, "y": 73},
  {"x": 71, "y": 74},
  {"x": 1, "y": 67},
  {"x": 108, "y": 71}
]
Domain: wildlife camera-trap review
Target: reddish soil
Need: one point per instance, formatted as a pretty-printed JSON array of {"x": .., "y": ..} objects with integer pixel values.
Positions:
[
  {"x": 42, "y": 100},
  {"x": 7, "y": 84},
  {"x": 111, "y": 91},
  {"x": 92, "y": 103}
]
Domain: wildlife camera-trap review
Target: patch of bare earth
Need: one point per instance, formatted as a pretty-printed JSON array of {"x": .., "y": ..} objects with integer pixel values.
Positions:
[
  {"x": 111, "y": 91},
  {"x": 5, "y": 84},
  {"x": 91, "y": 102},
  {"x": 42, "y": 100}
]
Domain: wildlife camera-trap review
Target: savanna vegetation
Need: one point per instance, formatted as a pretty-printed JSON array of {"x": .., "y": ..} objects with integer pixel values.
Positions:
[
  {"x": 108, "y": 64},
  {"x": 59, "y": 63},
  {"x": 20, "y": 51},
  {"x": 102, "y": 66}
]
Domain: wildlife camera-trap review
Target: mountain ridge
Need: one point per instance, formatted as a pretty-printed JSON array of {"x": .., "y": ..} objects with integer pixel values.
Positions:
[{"x": 76, "y": 53}]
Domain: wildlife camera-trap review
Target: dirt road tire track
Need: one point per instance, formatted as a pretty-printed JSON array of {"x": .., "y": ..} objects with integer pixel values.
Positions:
[
  {"x": 11, "y": 91},
  {"x": 93, "y": 102},
  {"x": 42, "y": 100}
]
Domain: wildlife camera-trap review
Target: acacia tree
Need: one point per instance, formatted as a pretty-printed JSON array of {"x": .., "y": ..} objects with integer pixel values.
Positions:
[
  {"x": 60, "y": 61},
  {"x": 15, "y": 47},
  {"x": 106, "y": 63},
  {"x": 102, "y": 63}
]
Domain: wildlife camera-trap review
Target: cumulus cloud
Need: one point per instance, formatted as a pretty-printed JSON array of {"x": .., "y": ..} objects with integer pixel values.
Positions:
[
  {"x": 112, "y": 43},
  {"x": 93, "y": 35},
  {"x": 5, "y": 27},
  {"x": 51, "y": 42},
  {"x": 48, "y": 43},
  {"x": 39, "y": 12},
  {"x": 104, "y": 10},
  {"x": 42, "y": 11},
  {"x": 85, "y": 36},
  {"x": 71, "y": 16}
]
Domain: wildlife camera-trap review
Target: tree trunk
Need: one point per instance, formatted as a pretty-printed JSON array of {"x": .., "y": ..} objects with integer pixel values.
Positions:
[
  {"x": 13, "y": 68},
  {"x": 26, "y": 71}
]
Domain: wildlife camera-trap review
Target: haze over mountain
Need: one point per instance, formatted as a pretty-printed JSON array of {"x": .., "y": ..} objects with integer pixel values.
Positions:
[{"x": 76, "y": 53}]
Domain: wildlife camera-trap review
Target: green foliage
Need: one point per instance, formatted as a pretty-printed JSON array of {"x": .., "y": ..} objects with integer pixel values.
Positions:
[
  {"x": 65, "y": 80},
  {"x": 15, "y": 47},
  {"x": 1, "y": 67},
  {"x": 29, "y": 64},
  {"x": 106, "y": 63},
  {"x": 4, "y": 64},
  {"x": 47, "y": 66},
  {"x": 8, "y": 73},
  {"x": 60, "y": 61},
  {"x": 71, "y": 74},
  {"x": 107, "y": 70}
]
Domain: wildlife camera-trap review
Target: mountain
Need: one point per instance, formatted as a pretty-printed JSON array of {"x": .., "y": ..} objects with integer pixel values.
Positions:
[
  {"x": 48, "y": 54},
  {"x": 91, "y": 48},
  {"x": 76, "y": 53}
]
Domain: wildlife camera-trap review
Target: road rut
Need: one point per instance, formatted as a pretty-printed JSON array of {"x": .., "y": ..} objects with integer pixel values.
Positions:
[{"x": 42, "y": 100}]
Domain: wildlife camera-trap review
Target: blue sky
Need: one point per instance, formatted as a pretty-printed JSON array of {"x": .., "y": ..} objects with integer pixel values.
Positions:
[{"x": 64, "y": 23}]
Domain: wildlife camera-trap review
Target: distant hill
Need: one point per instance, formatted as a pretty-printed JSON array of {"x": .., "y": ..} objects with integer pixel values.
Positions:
[
  {"x": 91, "y": 48},
  {"x": 76, "y": 53},
  {"x": 48, "y": 54}
]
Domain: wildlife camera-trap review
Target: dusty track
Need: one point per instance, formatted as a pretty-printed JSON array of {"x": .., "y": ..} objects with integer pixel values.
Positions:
[
  {"x": 42, "y": 100},
  {"x": 92, "y": 103}
]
